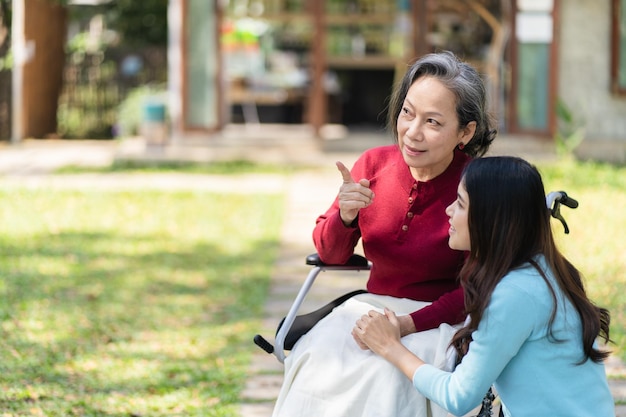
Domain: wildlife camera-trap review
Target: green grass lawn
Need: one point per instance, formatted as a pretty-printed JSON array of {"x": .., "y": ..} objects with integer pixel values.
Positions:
[
  {"x": 596, "y": 243},
  {"x": 130, "y": 303}
]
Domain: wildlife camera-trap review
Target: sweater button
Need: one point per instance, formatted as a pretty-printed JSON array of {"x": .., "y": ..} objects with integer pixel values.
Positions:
[
  {"x": 409, "y": 215},
  {"x": 410, "y": 200},
  {"x": 405, "y": 228}
]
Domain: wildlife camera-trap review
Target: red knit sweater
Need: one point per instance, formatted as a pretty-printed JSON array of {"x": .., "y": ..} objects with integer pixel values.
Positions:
[{"x": 404, "y": 234}]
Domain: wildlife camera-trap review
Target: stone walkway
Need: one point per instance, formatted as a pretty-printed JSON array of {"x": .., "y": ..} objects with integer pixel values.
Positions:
[{"x": 309, "y": 193}]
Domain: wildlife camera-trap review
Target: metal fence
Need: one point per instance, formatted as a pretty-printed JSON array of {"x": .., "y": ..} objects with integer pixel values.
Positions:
[{"x": 95, "y": 85}]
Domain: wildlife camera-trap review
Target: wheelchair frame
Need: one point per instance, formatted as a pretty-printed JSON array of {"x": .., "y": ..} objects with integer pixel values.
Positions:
[{"x": 355, "y": 263}]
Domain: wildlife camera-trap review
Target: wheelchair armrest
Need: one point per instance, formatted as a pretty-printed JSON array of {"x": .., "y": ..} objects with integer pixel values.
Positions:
[{"x": 355, "y": 262}]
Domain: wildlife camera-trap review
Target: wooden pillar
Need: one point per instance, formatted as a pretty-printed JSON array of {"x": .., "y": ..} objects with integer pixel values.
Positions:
[
  {"x": 420, "y": 27},
  {"x": 45, "y": 31},
  {"x": 317, "y": 106}
]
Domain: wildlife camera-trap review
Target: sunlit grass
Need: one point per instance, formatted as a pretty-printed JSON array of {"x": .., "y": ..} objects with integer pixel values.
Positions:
[
  {"x": 596, "y": 243},
  {"x": 217, "y": 167},
  {"x": 130, "y": 303}
]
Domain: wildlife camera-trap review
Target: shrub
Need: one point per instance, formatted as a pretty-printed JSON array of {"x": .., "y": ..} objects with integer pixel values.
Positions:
[{"x": 131, "y": 110}]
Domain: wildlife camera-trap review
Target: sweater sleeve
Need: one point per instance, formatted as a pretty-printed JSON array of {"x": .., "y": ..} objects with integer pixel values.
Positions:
[
  {"x": 333, "y": 240},
  {"x": 449, "y": 308},
  {"x": 509, "y": 317}
]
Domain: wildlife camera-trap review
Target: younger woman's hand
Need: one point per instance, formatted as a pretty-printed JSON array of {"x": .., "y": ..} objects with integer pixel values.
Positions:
[{"x": 379, "y": 332}]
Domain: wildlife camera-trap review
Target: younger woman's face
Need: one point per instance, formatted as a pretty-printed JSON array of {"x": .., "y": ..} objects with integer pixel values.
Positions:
[{"x": 458, "y": 213}]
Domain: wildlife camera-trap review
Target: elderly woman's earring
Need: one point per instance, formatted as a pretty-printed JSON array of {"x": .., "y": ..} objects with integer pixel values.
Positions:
[{"x": 461, "y": 146}]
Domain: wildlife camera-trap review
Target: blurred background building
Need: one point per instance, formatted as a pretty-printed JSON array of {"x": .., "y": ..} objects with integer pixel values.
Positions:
[{"x": 555, "y": 69}]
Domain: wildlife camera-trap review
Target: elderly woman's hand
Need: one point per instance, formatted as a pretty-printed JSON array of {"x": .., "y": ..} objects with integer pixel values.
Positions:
[{"x": 353, "y": 196}]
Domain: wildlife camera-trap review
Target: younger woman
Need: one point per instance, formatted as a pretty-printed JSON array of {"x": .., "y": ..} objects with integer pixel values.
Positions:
[{"x": 532, "y": 330}]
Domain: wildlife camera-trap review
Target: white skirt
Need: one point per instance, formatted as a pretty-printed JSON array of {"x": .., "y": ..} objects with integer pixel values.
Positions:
[{"x": 328, "y": 375}]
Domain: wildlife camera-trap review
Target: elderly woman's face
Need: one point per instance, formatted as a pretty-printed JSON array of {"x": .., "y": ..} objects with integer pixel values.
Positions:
[{"x": 428, "y": 128}]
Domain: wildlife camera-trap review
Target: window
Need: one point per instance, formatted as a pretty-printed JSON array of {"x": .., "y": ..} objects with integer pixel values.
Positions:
[
  {"x": 618, "y": 47},
  {"x": 201, "y": 105},
  {"x": 533, "y": 54}
]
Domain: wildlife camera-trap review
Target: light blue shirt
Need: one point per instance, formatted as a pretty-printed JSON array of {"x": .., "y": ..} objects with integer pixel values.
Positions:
[{"x": 534, "y": 376}]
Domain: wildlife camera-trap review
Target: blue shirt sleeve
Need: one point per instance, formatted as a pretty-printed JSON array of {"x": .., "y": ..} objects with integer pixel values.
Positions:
[{"x": 509, "y": 320}]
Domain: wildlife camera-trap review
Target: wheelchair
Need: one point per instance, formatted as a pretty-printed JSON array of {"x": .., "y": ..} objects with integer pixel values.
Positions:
[{"x": 294, "y": 326}]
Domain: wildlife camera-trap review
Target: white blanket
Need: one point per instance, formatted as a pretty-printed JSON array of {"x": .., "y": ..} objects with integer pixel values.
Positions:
[{"x": 328, "y": 375}]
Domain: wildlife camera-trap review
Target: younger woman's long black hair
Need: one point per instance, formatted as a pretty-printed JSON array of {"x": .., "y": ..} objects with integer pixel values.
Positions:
[{"x": 509, "y": 224}]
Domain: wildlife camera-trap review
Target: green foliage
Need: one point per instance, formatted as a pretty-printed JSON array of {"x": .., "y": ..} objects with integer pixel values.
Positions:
[
  {"x": 130, "y": 113},
  {"x": 94, "y": 109},
  {"x": 131, "y": 303},
  {"x": 571, "y": 130},
  {"x": 6, "y": 18},
  {"x": 95, "y": 118},
  {"x": 140, "y": 22},
  {"x": 81, "y": 44},
  {"x": 6, "y": 62}
]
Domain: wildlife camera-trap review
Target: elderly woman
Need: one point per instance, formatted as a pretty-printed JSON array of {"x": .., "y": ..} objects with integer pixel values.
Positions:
[{"x": 394, "y": 200}]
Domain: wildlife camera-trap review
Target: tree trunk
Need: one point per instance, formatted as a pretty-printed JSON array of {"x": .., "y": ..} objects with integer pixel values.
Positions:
[{"x": 46, "y": 29}]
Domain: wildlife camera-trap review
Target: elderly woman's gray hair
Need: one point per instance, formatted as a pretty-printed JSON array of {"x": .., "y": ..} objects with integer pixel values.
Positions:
[{"x": 466, "y": 85}]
